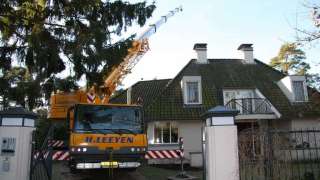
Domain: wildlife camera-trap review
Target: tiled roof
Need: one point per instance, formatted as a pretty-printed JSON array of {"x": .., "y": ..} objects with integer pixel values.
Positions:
[
  {"x": 146, "y": 90},
  {"x": 17, "y": 112},
  {"x": 163, "y": 99}
]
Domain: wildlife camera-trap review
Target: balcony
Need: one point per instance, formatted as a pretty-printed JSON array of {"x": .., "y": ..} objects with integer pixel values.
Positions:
[{"x": 251, "y": 106}]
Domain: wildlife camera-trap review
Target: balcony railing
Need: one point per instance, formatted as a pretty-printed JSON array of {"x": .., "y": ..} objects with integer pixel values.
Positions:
[{"x": 248, "y": 106}]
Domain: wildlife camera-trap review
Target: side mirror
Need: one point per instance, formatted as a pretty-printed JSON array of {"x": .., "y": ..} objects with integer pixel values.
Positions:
[
  {"x": 68, "y": 124},
  {"x": 143, "y": 123}
]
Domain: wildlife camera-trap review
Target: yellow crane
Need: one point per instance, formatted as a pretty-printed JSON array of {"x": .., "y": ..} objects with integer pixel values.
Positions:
[
  {"x": 103, "y": 135},
  {"x": 61, "y": 101}
]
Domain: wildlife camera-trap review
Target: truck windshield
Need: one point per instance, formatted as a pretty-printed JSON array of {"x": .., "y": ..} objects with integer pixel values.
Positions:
[{"x": 108, "y": 119}]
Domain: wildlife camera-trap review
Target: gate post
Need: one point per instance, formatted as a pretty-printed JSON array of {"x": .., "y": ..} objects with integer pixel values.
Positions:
[
  {"x": 221, "y": 144},
  {"x": 16, "y": 127}
]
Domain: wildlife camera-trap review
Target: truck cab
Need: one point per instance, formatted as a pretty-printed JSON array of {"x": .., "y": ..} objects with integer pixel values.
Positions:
[{"x": 106, "y": 136}]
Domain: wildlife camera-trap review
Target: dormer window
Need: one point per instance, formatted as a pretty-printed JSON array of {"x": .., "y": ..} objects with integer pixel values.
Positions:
[
  {"x": 298, "y": 91},
  {"x": 294, "y": 87},
  {"x": 191, "y": 86},
  {"x": 192, "y": 92}
]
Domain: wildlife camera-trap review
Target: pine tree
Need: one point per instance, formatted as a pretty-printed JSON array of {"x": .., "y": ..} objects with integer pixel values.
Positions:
[
  {"x": 45, "y": 35},
  {"x": 290, "y": 59}
]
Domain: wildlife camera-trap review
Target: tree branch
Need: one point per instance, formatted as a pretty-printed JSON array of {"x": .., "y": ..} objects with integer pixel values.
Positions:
[
  {"x": 311, "y": 35},
  {"x": 31, "y": 20}
]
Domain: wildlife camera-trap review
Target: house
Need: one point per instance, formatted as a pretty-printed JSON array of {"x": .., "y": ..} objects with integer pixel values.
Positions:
[{"x": 265, "y": 98}]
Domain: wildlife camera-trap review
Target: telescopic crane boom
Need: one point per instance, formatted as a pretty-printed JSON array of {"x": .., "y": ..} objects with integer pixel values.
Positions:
[
  {"x": 139, "y": 48},
  {"x": 62, "y": 101}
]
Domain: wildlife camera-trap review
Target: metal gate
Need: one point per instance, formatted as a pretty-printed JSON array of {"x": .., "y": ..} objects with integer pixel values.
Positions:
[
  {"x": 279, "y": 155},
  {"x": 41, "y": 157}
]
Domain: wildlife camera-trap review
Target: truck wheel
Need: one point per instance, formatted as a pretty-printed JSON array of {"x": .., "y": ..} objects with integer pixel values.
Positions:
[
  {"x": 74, "y": 170},
  {"x": 72, "y": 167}
]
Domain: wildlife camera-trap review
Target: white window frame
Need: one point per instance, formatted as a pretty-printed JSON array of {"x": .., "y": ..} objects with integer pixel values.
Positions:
[
  {"x": 286, "y": 85},
  {"x": 170, "y": 133},
  {"x": 8, "y": 121},
  {"x": 28, "y": 122},
  {"x": 184, "y": 81},
  {"x": 304, "y": 86},
  {"x": 237, "y": 93}
]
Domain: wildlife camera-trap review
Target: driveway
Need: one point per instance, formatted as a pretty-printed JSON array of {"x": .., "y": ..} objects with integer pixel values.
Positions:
[{"x": 61, "y": 172}]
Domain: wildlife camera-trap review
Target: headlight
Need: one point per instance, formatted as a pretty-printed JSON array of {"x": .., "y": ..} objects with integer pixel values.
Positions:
[
  {"x": 79, "y": 149},
  {"x": 132, "y": 149},
  {"x": 138, "y": 149}
]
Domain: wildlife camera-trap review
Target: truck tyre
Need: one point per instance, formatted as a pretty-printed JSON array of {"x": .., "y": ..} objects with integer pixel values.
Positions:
[{"x": 72, "y": 167}]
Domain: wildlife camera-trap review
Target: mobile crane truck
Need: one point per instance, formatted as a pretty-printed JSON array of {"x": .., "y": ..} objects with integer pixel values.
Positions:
[{"x": 103, "y": 135}]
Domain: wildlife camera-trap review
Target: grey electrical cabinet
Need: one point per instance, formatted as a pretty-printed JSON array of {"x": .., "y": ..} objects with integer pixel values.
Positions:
[
  {"x": 16, "y": 127},
  {"x": 8, "y": 146}
]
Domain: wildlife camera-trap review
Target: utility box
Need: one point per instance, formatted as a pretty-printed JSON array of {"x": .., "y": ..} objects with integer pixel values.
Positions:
[{"x": 16, "y": 127}]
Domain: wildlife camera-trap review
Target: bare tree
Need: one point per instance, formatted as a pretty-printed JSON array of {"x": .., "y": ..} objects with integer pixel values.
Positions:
[{"x": 310, "y": 34}]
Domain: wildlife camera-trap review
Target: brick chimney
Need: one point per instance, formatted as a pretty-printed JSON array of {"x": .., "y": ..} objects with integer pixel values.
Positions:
[
  {"x": 201, "y": 50},
  {"x": 247, "y": 50}
]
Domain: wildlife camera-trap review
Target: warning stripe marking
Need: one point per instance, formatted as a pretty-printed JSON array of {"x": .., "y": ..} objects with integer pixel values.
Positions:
[
  {"x": 166, "y": 154},
  {"x": 56, "y": 143},
  {"x": 65, "y": 156},
  {"x": 57, "y": 154},
  {"x": 146, "y": 156},
  {"x": 159, "y": 154},
  {"x": 90, "y": 98},
  {"x": 152, "y": 154},
  {"x": 162, "y": 154},
  {"x": 174, "y": 154}
]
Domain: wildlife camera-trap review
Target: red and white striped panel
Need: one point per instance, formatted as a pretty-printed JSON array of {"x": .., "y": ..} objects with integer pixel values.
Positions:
[
  {"x": 60, "y": 156},
  {"x": 56, "y": 143},
  {"x": 163, "y": 154},
  {"x": 37, "y": 154},
  {"x": 91, "y": 98},
  {"x": 152, "y": 154},
  {"x": 56, "y": 155}
]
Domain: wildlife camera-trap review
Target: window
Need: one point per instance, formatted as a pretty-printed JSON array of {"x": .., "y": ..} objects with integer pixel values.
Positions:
[
  {"x": 295, "y": 88},
  {"x": 298, "y": 90},
  {"x": 240, "y": 99},
  {"x": 229, "y": 96},
  {"x": 192, "y": 92},
  {"x": 107, "y": 119},
  {"x": 165, "y": 133},
  {"x": 11, "y": 121},
  {"x": 191, "y": 86}
]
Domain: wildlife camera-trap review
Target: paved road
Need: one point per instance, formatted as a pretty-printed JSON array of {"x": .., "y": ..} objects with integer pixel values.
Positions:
[{"x": 61, "y": 172}]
